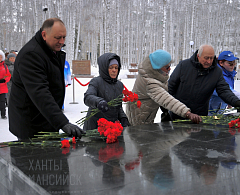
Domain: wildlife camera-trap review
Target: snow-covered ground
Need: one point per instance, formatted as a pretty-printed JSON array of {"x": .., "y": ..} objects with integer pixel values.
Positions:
[{"x": 74, "y": 102}]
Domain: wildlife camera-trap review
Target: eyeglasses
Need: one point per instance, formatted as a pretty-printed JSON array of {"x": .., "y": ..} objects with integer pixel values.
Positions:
[
  {"x": 168, "y": 67},
  {"x": 233, "y": 63}
]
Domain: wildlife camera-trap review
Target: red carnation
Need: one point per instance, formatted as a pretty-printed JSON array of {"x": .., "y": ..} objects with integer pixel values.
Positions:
[
  {"x": 65, "y": 143},
  {"x": 135, "y": 96},
  {"x": 232, "y": 123},
  {"x": 73, "y": 140},
  {"x": 139, "y": 103},
  {"x": 126, "y": 99}
]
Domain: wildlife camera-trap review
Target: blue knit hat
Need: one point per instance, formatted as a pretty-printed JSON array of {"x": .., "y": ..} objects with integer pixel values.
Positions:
[{"x": 160, "y": 58}]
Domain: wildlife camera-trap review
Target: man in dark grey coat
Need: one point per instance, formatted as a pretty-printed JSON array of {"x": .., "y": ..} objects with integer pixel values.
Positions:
[
  {"x": 38, "y": 87},
  {"x": 194, "y": 80}
]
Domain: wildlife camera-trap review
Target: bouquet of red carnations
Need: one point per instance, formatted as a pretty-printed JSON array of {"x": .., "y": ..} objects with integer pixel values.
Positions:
[
  {"x": 106, "y": 129},
  {"x": 109, "y": 129},
  {"x": 129, "y": 97}
]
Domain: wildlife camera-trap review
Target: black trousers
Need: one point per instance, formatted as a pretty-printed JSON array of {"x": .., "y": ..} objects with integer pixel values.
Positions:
[{"x": 2, "y": 104}]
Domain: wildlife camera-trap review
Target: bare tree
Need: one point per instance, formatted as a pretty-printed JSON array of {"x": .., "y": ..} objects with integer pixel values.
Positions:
[{"x": 132, "y": 29}]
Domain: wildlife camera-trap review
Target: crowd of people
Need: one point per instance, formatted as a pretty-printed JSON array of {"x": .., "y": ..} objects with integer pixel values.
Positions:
[
  {"x": 7, "y": 60},
  {"x": 37, "y": 86}
]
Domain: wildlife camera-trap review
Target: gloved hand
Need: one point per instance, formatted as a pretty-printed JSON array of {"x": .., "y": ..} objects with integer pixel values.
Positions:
[
  {"x": 73, "y": 130},
  {"x": 2, "y": 80},
  {"x": 124, "y": 121},
  {"x": 193, "y": 117},
  {"x": 237, "y": 105},
  {"x": 103, "y": 106}
]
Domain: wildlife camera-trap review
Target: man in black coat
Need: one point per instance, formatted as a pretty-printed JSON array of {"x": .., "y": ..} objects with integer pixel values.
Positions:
[
  {"x": 194, "y": 80},
  {"x": 38, "y": 88}
]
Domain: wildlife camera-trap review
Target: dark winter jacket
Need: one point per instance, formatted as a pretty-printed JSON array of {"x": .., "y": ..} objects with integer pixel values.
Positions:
[
  {"x": 105, "y": 88},
  {"x": 193, "y": 85},
  {"x": 10, "y": 66},
  {"x": 38, "y": 90}
]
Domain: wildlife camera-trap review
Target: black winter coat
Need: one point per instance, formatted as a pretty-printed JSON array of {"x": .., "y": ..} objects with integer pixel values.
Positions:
[
  {"x": 193, "y": 85},
  {"x": 38, "y": 90},
  {"x": 105, "y": 88}
]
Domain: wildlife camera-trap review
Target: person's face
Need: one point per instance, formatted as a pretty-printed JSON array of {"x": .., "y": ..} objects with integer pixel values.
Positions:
[
  {"x": 55, "y": 37},
  {"x": 1, "y": 58},
  {"x": 166, "y": 68},
  {"x": 228, "y": 65},
  {"x": 12, "y": 59},
  {"x": 113, "y": 71},
  {"x": 207, "y": 57}
]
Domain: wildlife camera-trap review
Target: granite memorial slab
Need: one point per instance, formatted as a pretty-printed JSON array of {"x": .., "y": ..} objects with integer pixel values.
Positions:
[{"x": 163, "y": 158}]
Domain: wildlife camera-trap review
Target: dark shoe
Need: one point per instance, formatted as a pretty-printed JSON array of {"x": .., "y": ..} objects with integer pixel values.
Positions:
[{"x": 3, "y": 117}]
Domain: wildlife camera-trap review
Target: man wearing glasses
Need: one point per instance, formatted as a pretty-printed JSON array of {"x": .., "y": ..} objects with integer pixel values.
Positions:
[
  {"x": 226, "y": 61},
  {"x": 194, "y": 80}
]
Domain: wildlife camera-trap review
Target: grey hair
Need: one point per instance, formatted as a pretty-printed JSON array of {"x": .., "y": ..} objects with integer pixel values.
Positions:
[{"x": 202, "y": 47}]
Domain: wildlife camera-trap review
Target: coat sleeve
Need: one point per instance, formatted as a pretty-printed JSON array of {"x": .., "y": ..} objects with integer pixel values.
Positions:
[
  {"x": 158, "y": 94},
  {"x": 91, "y": 98},
  {"x": 224, "y": 92},
  {"x": 174, "y": 80},
  {"x": 33, "y": 73}
]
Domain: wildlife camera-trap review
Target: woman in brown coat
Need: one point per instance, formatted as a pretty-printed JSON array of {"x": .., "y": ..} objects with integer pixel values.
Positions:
[{"x": 151, "y": 85}]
